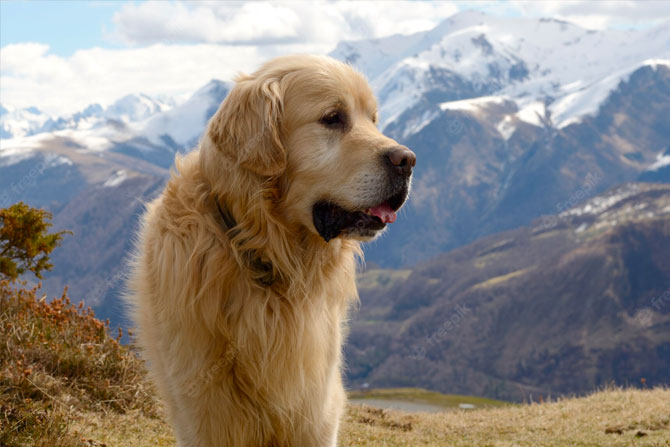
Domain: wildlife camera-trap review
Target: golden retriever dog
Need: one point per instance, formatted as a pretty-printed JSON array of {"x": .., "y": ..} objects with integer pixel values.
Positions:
[{"x": 245, "y": 265}]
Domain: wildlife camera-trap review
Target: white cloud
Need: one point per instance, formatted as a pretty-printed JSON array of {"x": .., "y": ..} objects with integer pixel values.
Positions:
[
  {"x": 31, "y": 76},
  {"x": 207, "y": 22},
  {"x": 599, "y": 14},
  {"x": 264, "y": 23},
  {"x": 177, "y": 47}
]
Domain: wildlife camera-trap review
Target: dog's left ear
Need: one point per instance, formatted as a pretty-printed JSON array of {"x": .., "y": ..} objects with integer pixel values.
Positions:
[{"x": 246, "y": 128}]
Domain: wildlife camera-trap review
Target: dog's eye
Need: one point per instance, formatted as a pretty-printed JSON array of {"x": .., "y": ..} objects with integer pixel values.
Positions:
[{"x": 334, "y": 120}]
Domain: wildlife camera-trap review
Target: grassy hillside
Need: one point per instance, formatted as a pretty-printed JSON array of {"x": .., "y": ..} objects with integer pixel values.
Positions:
[
  {"x": 65, "y": 382},
  {"x": 608, "y": 418},
  {"x": 58, "y": 364},
  {"x": 421, "y": 396}
]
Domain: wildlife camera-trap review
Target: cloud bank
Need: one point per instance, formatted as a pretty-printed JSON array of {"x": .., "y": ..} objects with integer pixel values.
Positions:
[
  {"x": 265, "y": 23},
  {"x": 173, "y": 48}
]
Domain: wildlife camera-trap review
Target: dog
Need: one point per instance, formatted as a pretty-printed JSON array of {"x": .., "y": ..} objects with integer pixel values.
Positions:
[{"x": 245, "y": 264}]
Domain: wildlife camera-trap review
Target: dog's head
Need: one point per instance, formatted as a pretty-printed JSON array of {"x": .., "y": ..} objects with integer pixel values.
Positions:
[{"x": 308, "y": 124}]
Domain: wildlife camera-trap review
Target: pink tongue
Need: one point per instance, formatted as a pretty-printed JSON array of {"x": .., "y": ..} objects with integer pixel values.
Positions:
[{"x": 384, "y": 212}]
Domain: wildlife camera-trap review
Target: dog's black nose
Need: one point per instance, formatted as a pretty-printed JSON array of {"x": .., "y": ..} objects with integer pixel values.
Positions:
[{"x": 401, "y": 160}]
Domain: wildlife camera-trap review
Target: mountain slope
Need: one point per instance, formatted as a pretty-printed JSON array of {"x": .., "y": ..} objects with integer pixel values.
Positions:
[
  {"x": 570, "y": 303},
  {"x": 526, "y": 59},
  {"x": 510, "y": 118},
  {"x": 481, "y": 169},
  {"x": 95, "y": 173}
]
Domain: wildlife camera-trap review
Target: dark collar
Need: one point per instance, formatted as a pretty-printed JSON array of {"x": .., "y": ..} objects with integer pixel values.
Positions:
[{"x": 262, "y": 271}]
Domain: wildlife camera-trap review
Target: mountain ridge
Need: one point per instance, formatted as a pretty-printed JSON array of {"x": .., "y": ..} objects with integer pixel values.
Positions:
[{"x": 569, "y": 303}]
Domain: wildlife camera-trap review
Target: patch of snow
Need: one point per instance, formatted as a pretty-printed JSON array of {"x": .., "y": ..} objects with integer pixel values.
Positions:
[
  {"x": 654, "y": 63},
  {"x": 506, "y": 127},
  {"x": 472, "y": 105},
  {"x": 59, "y": 160},
  {"x": 116, "y": 179},
  {"x": 413, "y": 126},
  {"x": 586, "y": 99},
  {"x": 532, "y": 113},
  {"x": 662, "y": 160},
  {"x": 90, "y": 139},
  {"x": 398, "y": 89},
  {"x": 581, "y": 228},
  {"x": 185, "y": 123},
  {"x": 15, "y": 150},
  {"x": 600, "y": 204}
]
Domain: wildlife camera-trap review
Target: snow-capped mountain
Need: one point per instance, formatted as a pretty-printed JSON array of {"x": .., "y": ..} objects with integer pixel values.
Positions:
[
  {"x": 133, "y": 108},
  {"x": 184, "y": 124},
  {"x": 20, "y": 122},
  {"x": 509, "y": 117},
  {"x": 549, "y": 67},
  {"x": 553, "y": 72},
  {"x": 126, "y": 110},
  {"x": 133, "y": 124}
]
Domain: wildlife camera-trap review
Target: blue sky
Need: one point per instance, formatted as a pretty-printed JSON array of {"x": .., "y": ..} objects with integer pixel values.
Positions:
[
  {"x": 98, "y": 51},
  {"x": 65, "y": 26}
]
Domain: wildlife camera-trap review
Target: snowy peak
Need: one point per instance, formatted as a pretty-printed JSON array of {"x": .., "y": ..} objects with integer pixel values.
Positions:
[
  {"x": 133, "y": 108},
  {"x": 471, "y": 54},
  {"x": 20, "y": 122},
  {"x": 214, "y": 87},
  {"x": 183, "y": 125},
  {"x": 137, "y": 124}
]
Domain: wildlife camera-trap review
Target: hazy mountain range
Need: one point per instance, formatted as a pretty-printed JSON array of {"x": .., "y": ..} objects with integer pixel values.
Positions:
[
  {"x": 511, "y": 119},
  {"x": 565, "y": 305}
]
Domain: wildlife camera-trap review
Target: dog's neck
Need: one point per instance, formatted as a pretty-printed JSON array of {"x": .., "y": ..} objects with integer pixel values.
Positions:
[
  {"x": 263, "y": 271},
  {"x": 287, "y": 271}
]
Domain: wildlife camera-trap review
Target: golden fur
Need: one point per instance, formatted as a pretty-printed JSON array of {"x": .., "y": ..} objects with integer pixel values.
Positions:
[{"x": 238, "y": 363}]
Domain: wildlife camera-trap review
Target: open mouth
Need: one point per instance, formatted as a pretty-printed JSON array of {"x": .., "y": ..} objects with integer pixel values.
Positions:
[{"x": 331, "y": 220}]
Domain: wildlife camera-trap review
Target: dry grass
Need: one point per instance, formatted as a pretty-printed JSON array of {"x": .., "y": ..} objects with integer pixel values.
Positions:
[
  {"x": 64, "y": 382},
  {"x": 608, "y": 418},
  {"x": 57, "y": 361}
]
